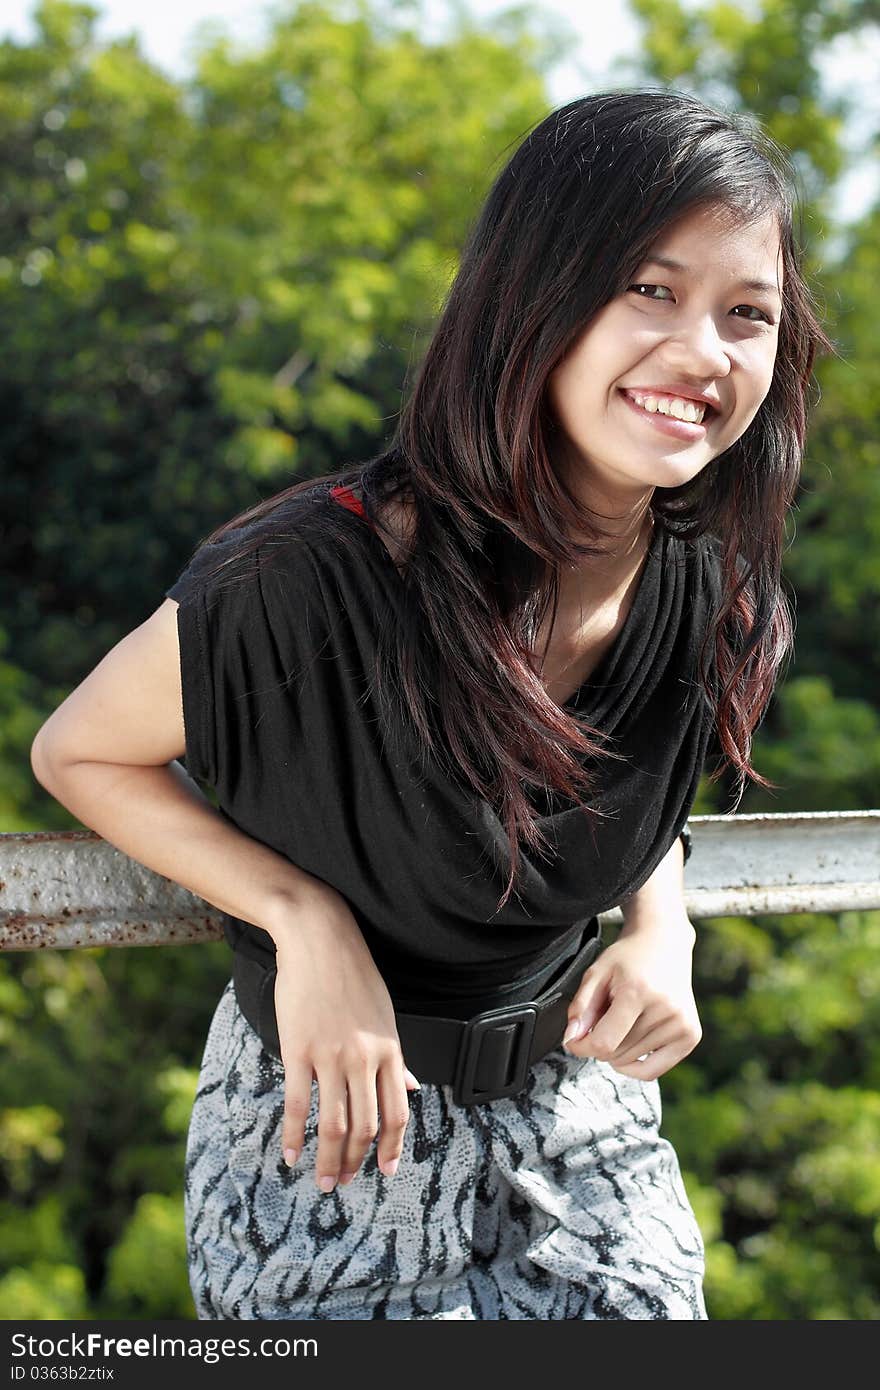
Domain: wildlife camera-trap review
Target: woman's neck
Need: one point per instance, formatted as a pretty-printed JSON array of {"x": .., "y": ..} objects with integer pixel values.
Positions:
[{"x": 596, "y": 578}]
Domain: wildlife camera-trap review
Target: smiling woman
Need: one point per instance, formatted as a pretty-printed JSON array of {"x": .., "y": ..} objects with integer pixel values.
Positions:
[
  {"x": 684, "y": 360},
  {"x": 455, "y": 702}
]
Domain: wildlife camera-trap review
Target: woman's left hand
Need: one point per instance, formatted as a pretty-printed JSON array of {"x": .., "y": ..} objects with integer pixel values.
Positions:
[{"x": 635, "y": 1005}]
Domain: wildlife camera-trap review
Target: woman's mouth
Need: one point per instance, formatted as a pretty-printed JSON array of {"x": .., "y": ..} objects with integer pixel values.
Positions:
[{"x": 672, "y": 415}]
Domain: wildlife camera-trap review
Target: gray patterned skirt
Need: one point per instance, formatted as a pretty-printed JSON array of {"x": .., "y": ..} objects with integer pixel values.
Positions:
[{"x": 560, "y": 1202}]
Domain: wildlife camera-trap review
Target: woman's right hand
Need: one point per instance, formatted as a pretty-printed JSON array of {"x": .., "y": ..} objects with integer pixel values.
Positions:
[
  {"x": 108, "y": 754},
  {"x": 336, "y": 1024}
]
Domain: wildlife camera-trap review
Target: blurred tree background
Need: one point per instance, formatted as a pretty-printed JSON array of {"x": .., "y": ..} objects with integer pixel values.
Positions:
[{"x": 208, "y": 287}]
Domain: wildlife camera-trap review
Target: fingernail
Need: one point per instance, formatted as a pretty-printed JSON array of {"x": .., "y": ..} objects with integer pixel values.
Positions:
[
  {"x": 326, "y": 1184},
  {"x": 411, "y": 1079},
  {"x": 345, "y": 1178},
  {"x": 574, "y": 1030},
  {"x": 389, "y": 1168},
  {"x": 290, "y": 1156}
]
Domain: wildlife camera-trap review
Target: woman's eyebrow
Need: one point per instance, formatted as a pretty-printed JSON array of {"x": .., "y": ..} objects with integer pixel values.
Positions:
[{"x": 760, "y": 286}]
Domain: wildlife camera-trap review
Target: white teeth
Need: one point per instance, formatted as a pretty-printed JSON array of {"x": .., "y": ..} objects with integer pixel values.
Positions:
[{"x": 679, "y": 409}]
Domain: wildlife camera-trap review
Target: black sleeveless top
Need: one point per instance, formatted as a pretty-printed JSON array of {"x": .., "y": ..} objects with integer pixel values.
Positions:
[{"x": 277, "y": 669}]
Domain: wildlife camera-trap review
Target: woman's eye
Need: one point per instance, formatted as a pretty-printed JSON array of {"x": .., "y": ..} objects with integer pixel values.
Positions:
[
  {"x": 753, "y": 309},
  {"x": 645, "y": 290},
  {"x": 654, "y": 292}
]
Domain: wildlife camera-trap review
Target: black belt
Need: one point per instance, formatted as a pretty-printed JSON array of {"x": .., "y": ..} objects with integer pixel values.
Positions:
[{"x": 482, "y": 1058}]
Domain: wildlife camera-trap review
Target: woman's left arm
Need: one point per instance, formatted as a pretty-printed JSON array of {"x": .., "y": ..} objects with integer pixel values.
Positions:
[{"x": 635, "y": 1006}]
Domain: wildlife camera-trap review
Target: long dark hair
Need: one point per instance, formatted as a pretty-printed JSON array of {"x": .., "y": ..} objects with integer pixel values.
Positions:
[{"x": 562, "y": 232}]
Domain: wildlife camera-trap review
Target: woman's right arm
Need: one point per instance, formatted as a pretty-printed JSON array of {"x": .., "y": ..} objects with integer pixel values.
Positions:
[{"x": 108, "y": 754}]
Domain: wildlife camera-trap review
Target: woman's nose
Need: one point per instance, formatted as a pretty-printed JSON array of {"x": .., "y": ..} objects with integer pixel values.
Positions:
[{"x": 699, "y": 350}]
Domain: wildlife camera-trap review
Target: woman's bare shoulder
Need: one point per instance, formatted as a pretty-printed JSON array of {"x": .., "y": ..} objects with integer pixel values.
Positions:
[{"x": 127, "y": 710}]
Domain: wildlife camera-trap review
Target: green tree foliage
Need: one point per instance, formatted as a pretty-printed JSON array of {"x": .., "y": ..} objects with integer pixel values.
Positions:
[
  {"x": 776, "y": 1118},
  {"x": 109, "y": 1041},
  {"x": 207, "y": 289},
  {"x": 210, "y": 287},
  {"x": 147, "y": 1269}
]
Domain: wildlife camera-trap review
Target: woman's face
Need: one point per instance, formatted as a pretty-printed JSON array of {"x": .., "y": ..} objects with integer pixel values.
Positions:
[{"x": 704, "y": 327}]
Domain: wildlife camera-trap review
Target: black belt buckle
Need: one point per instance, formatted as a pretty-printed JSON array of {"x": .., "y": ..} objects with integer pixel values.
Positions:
[{"x": 525, "y": 1017}]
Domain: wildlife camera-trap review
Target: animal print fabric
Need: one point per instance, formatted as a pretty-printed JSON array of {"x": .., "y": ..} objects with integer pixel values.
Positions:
[{"x": 560, "y": 1202}]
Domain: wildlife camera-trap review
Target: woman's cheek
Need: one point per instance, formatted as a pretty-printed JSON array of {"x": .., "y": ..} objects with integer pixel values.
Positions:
[{"x": 741, "y": 424}]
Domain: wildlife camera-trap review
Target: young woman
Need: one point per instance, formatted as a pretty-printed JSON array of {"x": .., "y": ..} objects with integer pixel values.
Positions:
[{"x": 455, "y": 702}]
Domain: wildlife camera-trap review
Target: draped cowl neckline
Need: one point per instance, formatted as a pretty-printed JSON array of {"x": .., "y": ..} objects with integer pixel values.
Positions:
[{"x": 602, "y": 695}]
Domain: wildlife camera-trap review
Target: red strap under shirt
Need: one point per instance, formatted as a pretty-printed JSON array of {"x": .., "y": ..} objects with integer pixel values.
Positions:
[{"x": 347, "y": 499}]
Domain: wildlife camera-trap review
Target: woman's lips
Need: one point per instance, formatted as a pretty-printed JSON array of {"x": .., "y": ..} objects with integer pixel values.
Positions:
[{"x": 667, "y": 424}]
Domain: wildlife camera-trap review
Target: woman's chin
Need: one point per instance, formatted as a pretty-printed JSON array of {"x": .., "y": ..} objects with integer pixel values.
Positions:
[{"x": 674, "y": 470}]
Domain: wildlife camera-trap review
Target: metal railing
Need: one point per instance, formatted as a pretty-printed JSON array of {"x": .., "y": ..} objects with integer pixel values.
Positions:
[{"x": 63, "y": 889}]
